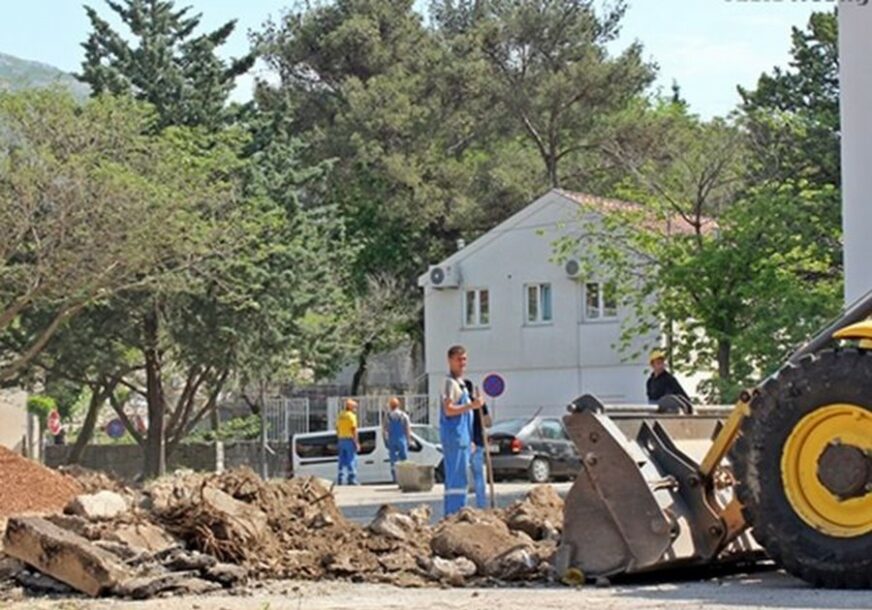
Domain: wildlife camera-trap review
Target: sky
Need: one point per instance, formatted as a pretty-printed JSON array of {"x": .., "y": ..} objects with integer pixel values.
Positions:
[{"x": 708, "y": 46}]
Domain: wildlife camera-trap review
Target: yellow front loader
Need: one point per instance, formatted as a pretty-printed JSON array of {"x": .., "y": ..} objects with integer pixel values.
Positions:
[{"x": 792, "y": 464}]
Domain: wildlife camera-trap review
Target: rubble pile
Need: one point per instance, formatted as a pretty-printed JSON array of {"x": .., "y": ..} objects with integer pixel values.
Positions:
[
  {"x": 195, "y": 533},
  {"x": 92, "y": 481}
]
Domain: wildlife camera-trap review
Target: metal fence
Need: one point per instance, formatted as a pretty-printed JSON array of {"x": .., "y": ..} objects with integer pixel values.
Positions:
[
  {"x": 286, "y": 417},
  {"x": 371, "y": 408}
]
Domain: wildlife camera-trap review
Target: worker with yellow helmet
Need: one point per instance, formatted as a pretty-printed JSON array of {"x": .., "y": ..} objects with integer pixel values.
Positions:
[{"x": 662, "y": 383}]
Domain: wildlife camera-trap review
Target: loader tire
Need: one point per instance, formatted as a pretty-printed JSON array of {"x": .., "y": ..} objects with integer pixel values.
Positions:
[{"x": 820, "y": 557}]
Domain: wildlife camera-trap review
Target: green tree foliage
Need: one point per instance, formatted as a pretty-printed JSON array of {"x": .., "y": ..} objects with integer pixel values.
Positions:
[
  {"x": 731, "y": 273},
  {"x": 546, "y": 65},
  {"x": 166, "y": 64},
  {"x": 793, "y": 114},
  {"x": 359, "y": 83},
  {"x": 41, "y": 406},
  {"x": 88, "y": 208}
]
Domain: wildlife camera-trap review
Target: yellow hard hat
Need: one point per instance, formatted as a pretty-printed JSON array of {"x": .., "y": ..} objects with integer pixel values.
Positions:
[{"x": 656, "y": 355}]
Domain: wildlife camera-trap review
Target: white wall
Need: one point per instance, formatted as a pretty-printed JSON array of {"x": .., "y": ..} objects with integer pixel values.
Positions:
[
  {"x": 544, "y": 365},
  {"x": 855, "y": 42},
  {"x": 13, "y": 419}
]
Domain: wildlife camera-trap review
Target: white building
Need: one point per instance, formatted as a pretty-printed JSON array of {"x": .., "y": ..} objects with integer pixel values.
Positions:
[{"x": 551, "y": 336}]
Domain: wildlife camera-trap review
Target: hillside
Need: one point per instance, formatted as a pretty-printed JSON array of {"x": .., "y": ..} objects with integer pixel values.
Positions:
[{"x": 18, "y": 74}]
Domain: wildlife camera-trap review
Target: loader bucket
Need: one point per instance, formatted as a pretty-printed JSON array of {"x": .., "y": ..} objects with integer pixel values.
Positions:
[{"x": 639, "y": 505}]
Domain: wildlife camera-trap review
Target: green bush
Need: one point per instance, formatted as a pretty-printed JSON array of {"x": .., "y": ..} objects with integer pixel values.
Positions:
[
  {"x": 41, "y": 405},
  {"x": 236, "y": 429}
]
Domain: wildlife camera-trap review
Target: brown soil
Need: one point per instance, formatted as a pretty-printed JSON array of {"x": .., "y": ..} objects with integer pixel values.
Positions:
[
  {"x": 92, "y": 481},
  {"x": 27, "y": 487},
  {"x": 306, "y": 535}
]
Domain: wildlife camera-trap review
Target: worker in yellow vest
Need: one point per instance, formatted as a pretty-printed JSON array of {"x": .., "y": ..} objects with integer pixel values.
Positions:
[{"x": 349, "y": 443}]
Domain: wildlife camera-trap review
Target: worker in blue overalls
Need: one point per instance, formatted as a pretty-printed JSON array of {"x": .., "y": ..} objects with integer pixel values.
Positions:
[
  {"x": 398, "y": 434},
  {"x": 455, "y": 430}
]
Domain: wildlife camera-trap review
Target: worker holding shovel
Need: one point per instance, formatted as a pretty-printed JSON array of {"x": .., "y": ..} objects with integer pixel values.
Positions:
[
  {"x": 455, "y": 430},
  {"x": 478, "y": 450}
]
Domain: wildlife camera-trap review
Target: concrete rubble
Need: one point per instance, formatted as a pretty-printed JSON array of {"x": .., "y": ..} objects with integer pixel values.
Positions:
[
  {"x": 101, "y": 505},
  {"x": 191, "y": 533}
]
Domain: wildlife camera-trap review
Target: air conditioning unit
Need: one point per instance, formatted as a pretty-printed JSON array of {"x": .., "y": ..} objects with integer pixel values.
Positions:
[
  {"x": 444, "y": 276},
  {"x": 572, "y": 267}
]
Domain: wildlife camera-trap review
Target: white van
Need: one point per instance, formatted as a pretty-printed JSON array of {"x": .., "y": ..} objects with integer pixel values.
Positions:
[{"x": 316, "y": 454}]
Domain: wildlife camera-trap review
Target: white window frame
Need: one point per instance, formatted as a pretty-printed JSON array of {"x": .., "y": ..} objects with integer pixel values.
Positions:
[
  {"x": 538, "y": 319},
  {"x": 601, "y": 316},
  {"x": 477, "y": 321}
]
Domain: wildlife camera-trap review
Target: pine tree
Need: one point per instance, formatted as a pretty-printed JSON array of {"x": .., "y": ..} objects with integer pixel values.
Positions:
[{"x": 164, "y": 63}]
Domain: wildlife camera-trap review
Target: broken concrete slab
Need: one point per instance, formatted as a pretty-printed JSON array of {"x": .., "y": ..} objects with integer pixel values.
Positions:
[
  {"x": 145, "y": 536},
  {"x": 180, "y": 561},
  {"x": 62, "y": 555},
  {"x": 227, "y": 574},
  {"x": 124, "y": 552},
  {"x": 99, "y": 506},
  {"x": 143, "y": 587}
]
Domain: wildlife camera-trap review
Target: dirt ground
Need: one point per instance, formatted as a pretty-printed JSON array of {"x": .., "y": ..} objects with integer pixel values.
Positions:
[{"x": 763, "y": 590}]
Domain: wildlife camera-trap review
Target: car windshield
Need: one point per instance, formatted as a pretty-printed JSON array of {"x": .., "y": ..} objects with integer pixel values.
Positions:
[
  {"x": 508, "y": 426},
  {"x": 428, "y": 433}
]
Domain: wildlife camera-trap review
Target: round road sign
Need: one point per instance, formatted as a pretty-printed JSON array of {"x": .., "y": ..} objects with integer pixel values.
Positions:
[
  {"x": 493, "y": 385},
  {"x": 115, "y": 428}
]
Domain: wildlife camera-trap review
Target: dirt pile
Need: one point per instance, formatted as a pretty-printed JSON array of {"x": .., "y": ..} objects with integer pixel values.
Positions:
[
  {"x": 193, "y": 532},
  {"x": 93, "y": 481},
  {"x": 27, "y": 487},
  {"x": 539, "y": 514},
  {"x": 283, "y": 529},
  {"x": 497, "y": 551}
]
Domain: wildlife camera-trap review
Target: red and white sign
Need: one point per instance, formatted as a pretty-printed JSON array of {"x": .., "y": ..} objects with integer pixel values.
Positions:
[{"x": 54, "y": 423}]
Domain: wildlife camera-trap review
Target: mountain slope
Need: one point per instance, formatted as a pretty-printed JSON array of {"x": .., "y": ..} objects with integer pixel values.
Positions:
[{"x": 16, "y": 74}]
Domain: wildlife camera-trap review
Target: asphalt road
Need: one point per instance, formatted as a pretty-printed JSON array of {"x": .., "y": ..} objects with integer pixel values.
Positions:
[{"x": 740, "y": 592}]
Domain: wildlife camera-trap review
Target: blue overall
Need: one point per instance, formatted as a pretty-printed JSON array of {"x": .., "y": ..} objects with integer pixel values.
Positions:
[
  {"x": 347, "y": 460},
  {"x": 398, "y": 444},
  {"x": 455, "y": 433}
]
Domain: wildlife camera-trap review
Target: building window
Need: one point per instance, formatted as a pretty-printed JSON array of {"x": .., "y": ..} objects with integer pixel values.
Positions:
[
  {"x": 539, "y": 310},
  {"x": 477, "y": 308},
  {"x": 600, "y": 301}
]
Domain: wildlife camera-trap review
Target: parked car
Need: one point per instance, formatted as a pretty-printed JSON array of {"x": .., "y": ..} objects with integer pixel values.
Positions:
[
  {"x": 316, "y": 454},
  {"x": 538, "y": 449}
]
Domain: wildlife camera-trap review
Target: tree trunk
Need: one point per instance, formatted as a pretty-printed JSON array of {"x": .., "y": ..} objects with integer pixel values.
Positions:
[
  {"x": 87, "y": 431},
  {"x": 359, "y": 379},
  {"x": 724, "y": 365},
  {"x": 551, "y": 166},
  {"x": 215, "y": 418},
  {"x": 155, "y": 442}
]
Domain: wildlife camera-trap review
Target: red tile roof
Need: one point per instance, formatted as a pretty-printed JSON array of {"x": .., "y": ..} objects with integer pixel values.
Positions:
[{"x": 675, "y": 224}]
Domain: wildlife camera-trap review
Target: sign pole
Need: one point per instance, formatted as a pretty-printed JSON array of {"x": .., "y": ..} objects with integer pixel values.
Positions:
[
  {"x": 494, "y": 385},
  {"x": 490, "y": 470}
]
